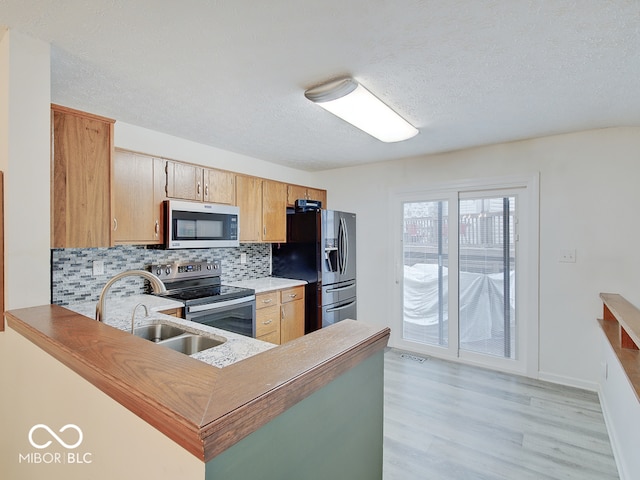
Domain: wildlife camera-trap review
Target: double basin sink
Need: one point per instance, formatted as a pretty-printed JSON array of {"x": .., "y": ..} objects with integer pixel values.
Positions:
[{"x": 176, "y": 338}]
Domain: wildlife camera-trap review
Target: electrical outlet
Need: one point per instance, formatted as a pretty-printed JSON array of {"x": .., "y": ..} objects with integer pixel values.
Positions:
[
  {"x": 568, "y": 255},
  {"x": 243, "y": 258},
  {"x": 98, "y": 267}
]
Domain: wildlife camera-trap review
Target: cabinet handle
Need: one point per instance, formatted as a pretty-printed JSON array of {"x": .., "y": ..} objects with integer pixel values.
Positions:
[
  {"x": 199, "y": 188},
  {"x": 115, "y": 224},
  {"x": 264, "y": 230},
  {"x": 293, "y": 295},
  {"x": 267, "y": 300},
  {"x": 206, "y": 191},
  {"x": 157, "y": 228},
  {"x": 267, "y": 322}
]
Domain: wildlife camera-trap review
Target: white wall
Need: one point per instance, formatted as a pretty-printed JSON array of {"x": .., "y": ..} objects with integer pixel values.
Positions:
[
  {"x": 116, "y": 443},
  {"x": 24, "y": 158},
  {"x": 589, "y": 201},
  {"x": 131, "y": 137}
]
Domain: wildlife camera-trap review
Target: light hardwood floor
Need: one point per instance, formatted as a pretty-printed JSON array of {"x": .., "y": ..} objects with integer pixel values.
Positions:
[{"x": 445, "y": 420}]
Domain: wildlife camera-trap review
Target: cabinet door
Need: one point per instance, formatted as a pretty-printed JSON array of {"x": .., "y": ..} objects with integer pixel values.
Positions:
[
  {"x": 294, "y": 192},
  {"x": 219, "y": 186},
  {"x": 160, "y": 195},
  {"x": 137, "y": 217},
  {"x": 274, "y": 211},
  {"x": 81, "y": 179},
  {"x": 317, "y": 194},
  {"x": 184, "y": 181},
  {"x": 292, "y": 321},
  {"x": 133, "y": 197},
  {"x": 249, "y": 199}
]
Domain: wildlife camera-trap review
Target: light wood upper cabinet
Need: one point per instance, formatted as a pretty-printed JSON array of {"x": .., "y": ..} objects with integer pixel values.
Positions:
[
  {"x": 193, "y": 182},
  {"x": 249, "y": 200},
  {"x": 138, "y": 188},
  {"x": 184, "y": 181},
  {"x": 82, "y": 147},
  {"x": 219, "y": 186},
  {"x": 263, "y": 209},
  {"x": 295, "y": 192},
  {"x": 274, "y": 211}
]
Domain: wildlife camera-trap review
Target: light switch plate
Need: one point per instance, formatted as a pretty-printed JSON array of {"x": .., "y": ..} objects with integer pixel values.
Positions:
[
  {"x": 98, "y": 267},
  {"x": 243, "y": 258},
  {"x": 568, "y": 255}
]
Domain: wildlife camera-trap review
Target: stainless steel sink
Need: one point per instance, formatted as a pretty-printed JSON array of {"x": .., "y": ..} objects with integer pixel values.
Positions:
[
  {"x": 190, "y": 344},
  {"x": 158, "y": 332}
]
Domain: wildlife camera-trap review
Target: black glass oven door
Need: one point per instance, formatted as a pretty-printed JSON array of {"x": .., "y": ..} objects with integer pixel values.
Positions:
[{"x": 236, "y": 316}]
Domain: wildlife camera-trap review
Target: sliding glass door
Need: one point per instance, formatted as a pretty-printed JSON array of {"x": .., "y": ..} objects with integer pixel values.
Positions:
[
  {"x": 426, "y": 272},
  {"x": 461, "y": 261},
  {"x": 487, "y": 269}
]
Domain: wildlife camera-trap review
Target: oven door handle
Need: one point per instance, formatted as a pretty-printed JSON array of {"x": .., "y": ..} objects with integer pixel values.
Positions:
[{"x": 216, "y": 305}]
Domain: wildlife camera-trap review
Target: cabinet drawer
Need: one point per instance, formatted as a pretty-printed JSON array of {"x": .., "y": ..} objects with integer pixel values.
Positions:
[
  {"x": 174, "y": 312},
  {"x": 267, "y": 299},
  {"x": 267, "y": 320},
  {"x": 292, "y": 294},
  {"x": 273, "y": 337}
]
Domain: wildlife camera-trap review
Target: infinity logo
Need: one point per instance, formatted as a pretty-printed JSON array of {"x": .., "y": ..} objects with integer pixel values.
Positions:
[{"x": 58, "y": 439}]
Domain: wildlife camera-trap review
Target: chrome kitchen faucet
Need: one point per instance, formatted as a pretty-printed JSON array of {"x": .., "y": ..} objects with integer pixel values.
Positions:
[{"x": 156, "y": 285}]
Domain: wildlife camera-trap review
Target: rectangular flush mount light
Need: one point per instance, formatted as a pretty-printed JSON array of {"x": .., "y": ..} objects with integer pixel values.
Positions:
[{"x": 347, "y": 99}]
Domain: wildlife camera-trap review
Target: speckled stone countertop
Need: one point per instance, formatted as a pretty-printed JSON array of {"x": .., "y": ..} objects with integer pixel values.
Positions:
[
  {"x": 267, "y": 284},
  {"x": 119, "y": 310}
]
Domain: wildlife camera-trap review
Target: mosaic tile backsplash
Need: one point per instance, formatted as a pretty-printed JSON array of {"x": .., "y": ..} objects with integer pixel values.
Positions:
[{"x": 72, "y": 279}]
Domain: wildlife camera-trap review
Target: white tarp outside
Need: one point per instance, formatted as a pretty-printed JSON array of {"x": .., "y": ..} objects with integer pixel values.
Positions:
[{"x": 481, "y": 300}]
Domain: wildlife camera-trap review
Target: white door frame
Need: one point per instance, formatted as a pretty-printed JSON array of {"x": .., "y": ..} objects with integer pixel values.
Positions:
[{"x": 527, "y": 285}]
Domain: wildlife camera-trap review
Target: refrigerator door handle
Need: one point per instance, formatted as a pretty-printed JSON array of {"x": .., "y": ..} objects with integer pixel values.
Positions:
[
  {"x": 340, "y": 289},
  {"x": 344, "y": 246},
  {"x": 341, "y": 307}
]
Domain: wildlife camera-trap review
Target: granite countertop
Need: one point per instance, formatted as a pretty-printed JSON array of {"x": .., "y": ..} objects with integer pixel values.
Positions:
[
  {"x": 267, "y": 284},
  {"x": 118, "y": 314}
]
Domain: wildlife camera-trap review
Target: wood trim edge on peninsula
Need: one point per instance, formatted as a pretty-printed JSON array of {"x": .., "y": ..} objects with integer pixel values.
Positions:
[
  {"x": 207, "y": 409},
  {"x": 620, "y": 316}
]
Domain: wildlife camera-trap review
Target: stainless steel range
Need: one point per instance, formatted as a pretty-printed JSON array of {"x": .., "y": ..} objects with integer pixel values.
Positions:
[{"x": 206, "y": 300}]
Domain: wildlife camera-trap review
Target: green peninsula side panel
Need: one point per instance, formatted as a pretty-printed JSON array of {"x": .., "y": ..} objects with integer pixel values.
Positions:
[{"x": 336, "y": 433}]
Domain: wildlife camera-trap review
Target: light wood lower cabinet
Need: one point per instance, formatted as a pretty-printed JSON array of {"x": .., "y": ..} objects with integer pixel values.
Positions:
[
  {"x": 173, "y": 312},
  {"x": 268, "y": 317},
  {"x": 280, "y": 315},
  {"x": 292, "y": 313}
]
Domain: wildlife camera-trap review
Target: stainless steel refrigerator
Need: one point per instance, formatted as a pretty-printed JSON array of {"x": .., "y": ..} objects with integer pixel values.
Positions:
[{"x": 321, "y": 249}]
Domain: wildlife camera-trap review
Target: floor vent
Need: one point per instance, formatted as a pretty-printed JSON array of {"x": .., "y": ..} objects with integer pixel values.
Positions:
[{"x": 415, "y": 358}]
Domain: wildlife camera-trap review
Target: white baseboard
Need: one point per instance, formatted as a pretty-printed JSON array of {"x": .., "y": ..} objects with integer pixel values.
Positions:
[{"x": 569, "y": 381}]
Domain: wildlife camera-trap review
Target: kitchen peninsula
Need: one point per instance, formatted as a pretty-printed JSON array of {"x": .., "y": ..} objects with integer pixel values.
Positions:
[{"x": 311, "y": 408}]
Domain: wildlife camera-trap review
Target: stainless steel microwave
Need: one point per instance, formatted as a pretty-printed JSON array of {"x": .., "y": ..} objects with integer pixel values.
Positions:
[{"x": 201, "y": 225}]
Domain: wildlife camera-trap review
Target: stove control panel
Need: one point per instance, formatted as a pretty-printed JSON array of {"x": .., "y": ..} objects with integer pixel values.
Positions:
[{"x": 184, "y": 271}]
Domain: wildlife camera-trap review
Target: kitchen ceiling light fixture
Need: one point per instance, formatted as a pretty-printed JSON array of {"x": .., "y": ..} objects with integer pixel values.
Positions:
[{"x": 347, "y": 99}]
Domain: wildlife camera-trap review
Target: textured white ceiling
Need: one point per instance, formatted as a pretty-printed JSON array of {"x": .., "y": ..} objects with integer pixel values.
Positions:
[{"x": 232, "y": 73}]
